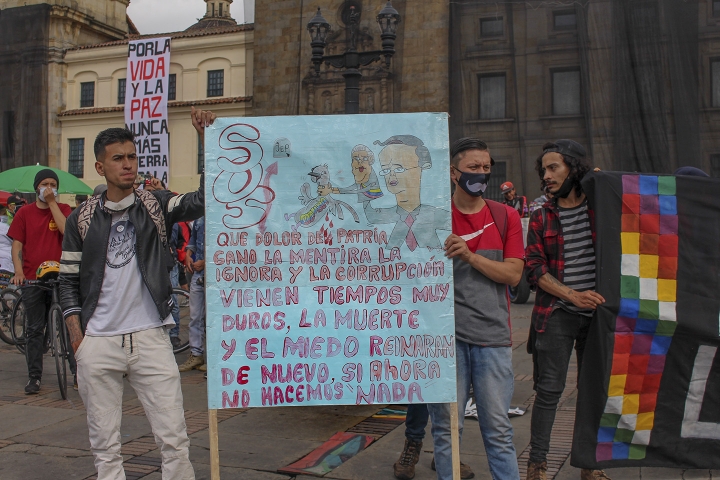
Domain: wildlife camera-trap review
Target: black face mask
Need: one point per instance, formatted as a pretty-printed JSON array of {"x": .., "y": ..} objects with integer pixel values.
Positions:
[
  {"x": 565, "y": 188},
  {"x": 474, "y": 184}
]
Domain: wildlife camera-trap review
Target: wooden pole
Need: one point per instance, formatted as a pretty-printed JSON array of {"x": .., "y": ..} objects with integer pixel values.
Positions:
[
  {"x": 215, "y": 447},
  {"x": 455, "y": 440}
]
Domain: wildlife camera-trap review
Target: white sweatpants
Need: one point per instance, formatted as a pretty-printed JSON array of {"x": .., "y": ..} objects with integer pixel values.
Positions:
[{"x": 148, "y": 360}]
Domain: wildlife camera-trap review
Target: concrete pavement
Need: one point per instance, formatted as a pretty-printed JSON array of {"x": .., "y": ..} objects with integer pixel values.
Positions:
[{"x": 45, "y": 437}]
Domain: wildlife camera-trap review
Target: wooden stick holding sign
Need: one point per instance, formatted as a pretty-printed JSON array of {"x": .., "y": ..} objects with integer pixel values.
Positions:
[
  {"x": 455, "y": 440},
  {"x": 214, "y": 445}
]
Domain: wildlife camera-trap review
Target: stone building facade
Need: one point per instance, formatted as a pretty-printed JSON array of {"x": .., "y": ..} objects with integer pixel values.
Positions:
[{"x": 34, "y": 35}]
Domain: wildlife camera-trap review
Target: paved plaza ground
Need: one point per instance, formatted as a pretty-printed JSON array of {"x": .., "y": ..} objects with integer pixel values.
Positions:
[{"x": 45, "y": 437}]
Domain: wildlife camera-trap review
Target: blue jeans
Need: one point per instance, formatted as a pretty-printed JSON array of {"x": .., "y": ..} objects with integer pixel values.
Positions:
[
  {"x": 416, "y": 421},
  {"x": 175, "y": 331},
  {"x": 489, "y": 370},
  {"x": 197, "y": 315}
]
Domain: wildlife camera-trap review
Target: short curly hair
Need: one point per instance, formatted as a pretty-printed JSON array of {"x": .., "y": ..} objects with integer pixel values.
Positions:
[{"x": 578, "y": 167}]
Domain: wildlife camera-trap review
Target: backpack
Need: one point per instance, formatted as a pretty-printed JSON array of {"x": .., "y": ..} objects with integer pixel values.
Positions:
[
  {"x": 152, "y": 205},
  {"x": 499, "y": 215}
]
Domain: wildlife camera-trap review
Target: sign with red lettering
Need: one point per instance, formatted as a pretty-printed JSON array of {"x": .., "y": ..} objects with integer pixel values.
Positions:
[
  {"x": 326, "y": 281},
  {"x": 146, "y": 96}
]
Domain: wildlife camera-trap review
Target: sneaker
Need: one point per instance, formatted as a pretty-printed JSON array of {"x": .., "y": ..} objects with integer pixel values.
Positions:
[
  {"x": 536, "y": 471},
  {"x": 465, "y": 470},
  {"x": 404, "y": 468},
  {"x": 32, "y": 387},
  {"x": 75, "y": 384},
  {"x": 191, "y": 363},
  {"x": 203, "y": 367},
  {"x": 175, "y": 342},
  {"x": 587, "y": 474}
]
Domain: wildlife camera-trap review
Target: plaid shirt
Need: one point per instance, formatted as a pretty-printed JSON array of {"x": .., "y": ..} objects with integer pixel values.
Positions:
[{"x": 544, "y": 254}]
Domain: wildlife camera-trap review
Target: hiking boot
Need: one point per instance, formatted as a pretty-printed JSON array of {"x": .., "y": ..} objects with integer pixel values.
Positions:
[
  {"x": 404, "y": 468},
  {"x": 32, "y": 387},
  {"x": 191, "y": 363},
  {"x": 465, "y": 470},
  {"x": 587, "y": 474},
  {"x": 536, "y": 471},
  {"x": 175, "y": 342},
  {"x": 203, "y": 367}
]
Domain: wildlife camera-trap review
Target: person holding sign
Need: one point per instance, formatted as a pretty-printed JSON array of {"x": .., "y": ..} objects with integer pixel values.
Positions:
[
  {"x": 488, "y": 254},
  {"x": 116, "y": 297}
]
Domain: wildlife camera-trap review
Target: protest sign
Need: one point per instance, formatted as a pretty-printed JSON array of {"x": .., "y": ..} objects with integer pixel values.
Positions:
[
  {"x": 326, "y": 282},
  {"x": 146, "y": 96},
  {"x": 650, "y": 380}
]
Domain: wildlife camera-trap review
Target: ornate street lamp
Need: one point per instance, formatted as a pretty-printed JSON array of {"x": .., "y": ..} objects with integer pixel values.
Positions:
[{"x": 352, "y": 60}]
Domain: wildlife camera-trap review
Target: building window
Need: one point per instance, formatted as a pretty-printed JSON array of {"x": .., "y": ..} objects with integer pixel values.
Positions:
[
  {"x": 715, "y": 79},
  {"x": 76, "y": 159},
  {"x": 716, "y": 8},
  {"x": 566, "y": 92},
  {"x": 201, "y": 155},
  {"x": 216, "y": 83},
  {"x": 221, "y": 9},
  {"x": 715, "y": 165},
  {"x": 491, "y": 27},
  {"x": 87, "y": 94},
  {"x": 172, "y": 86},
  {"x": 492, "y": 96},
  {"x": 564, "y": 20},
  {"x": 121, "y": 91}
]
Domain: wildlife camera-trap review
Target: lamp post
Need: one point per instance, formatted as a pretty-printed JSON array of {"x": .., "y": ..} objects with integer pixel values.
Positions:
[{"x": 352, "y": 60}]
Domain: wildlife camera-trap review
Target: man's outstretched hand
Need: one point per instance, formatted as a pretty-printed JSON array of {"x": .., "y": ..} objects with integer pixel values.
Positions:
[{"x": 201, "y": 119}]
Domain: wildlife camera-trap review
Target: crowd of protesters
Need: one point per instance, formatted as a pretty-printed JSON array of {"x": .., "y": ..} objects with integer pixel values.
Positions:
[{"x": 140, "y": 262}]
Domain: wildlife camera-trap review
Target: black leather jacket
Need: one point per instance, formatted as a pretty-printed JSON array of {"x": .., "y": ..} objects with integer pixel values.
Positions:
[{"x": 82, "y": 265}]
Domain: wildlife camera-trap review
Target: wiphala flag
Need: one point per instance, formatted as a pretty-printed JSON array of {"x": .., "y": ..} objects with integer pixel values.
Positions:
[{"x": 649, "y": 391}]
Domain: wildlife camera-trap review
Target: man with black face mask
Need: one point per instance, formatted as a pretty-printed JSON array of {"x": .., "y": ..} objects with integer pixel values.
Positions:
[{"x": 561, "y": 262}]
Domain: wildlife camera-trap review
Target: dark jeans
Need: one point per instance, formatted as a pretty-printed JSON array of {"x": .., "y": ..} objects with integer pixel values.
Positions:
[
  {"x": 416, "y": 421},
  {"x": 37, "y": 301},
  {"x": 553, "y": 348}
]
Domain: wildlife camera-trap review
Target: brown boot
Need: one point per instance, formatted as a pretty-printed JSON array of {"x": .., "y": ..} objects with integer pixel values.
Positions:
[
  {"x": 536, "y": 471},
  {"x": 465, "y": 470},
  {"x": 404, "y": 468},
  {"x": 587, "y": 474}
]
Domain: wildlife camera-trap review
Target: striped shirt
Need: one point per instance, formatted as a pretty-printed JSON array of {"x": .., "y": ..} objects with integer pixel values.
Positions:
[{"x": 579, "y": 253}]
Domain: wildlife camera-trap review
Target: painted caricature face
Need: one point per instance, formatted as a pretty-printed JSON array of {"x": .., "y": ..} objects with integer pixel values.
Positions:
[
  {"x": 556, "y": 171},
  {"x": 361, "y": 167},
  {"x": 400, "y": 167},
  {"x": 119, "y": 165}
]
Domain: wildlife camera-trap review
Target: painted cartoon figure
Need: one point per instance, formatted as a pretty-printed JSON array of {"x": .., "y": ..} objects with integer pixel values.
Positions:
[
  {"x": 366, "y": 186},
  {"x": 314, "y": 208},
  {"x": 402, "y": 162}
]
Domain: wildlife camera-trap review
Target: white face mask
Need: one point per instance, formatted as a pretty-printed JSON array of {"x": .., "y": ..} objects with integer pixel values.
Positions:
[{"x": 46, "y": 190}]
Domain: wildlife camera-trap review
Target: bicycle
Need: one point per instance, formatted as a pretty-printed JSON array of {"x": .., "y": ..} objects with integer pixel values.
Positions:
[{"x": 56, "y": 336}]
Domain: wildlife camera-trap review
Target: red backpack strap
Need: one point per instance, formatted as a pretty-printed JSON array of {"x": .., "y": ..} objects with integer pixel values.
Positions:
[{"x": 500, "y": 217}]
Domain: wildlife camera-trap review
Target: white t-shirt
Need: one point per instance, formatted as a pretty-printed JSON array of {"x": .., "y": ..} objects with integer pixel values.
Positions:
[
  {"x": 125, "y": 304},
  {"x": 5, "y": 249}
]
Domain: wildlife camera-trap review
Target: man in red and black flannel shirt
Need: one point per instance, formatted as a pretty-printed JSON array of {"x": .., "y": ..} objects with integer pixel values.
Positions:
[{"x": 561, "y": 263}]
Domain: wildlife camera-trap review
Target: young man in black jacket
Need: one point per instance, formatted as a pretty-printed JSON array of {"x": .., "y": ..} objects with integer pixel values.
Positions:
[{"x": 116, "y": 296}]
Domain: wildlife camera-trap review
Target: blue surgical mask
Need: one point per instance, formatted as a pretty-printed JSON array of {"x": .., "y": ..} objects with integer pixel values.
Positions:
[{"x": 474, "y": 184}]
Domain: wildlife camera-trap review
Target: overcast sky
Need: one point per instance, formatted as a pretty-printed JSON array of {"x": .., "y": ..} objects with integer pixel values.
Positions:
[{"x": 160, "y": 16}]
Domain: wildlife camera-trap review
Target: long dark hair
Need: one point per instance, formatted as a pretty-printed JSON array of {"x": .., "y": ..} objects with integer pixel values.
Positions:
[{"x": 578, "y": 167}]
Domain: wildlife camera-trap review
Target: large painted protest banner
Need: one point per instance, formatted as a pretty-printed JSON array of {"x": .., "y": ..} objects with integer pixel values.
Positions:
[
  {"x": 326, "y": 281},
  {"x": 650, "y": 381},
  {"x": 146, "y": 97}
]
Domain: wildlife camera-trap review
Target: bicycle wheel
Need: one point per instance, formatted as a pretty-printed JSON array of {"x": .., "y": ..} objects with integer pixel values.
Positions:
[
  {"x": 56, "y": 325},
  {"x": 17, "y": 324},
  {"x": 183, "y": 300},
  {"x": 8, "y": 297}
]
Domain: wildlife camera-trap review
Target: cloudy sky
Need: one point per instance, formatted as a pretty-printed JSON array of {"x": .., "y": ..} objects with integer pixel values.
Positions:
[{"x": 160, "y": 16}]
